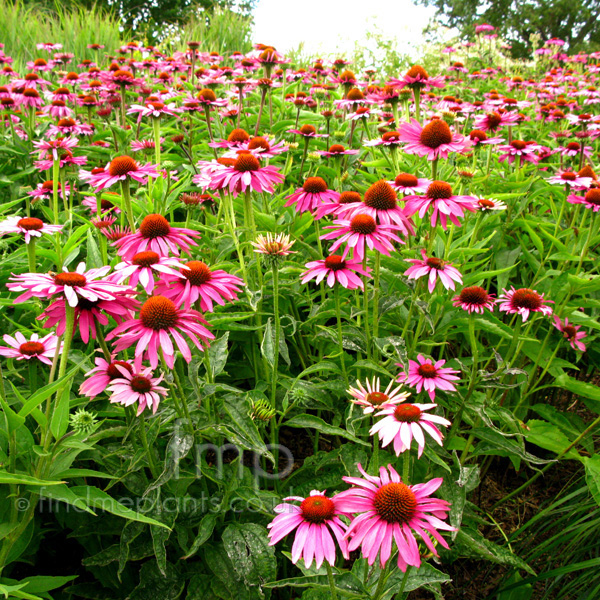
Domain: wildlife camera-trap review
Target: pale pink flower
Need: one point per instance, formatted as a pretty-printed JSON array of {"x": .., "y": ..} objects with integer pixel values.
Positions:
[
  {"x": 434, "y": 140},
  {"x": 99, "y": 378},
  {"x": 138, "y": 387},
  {"x": 334, "y": 269},
  {"x": 523, "y": 302},
  {"x": 474, "y": 299},
  {"x": 29, "y": 227},
  {"x": 312, "y": 194},
  {"x": 144, "y": 266},
  {"x": 570, "y": 332},
  {"x": 121, "y": 168},
  {"x": 434, "y": 268},
  {"x": 21, "y": 348},
  {"x": 429, "y": 376},
  {"x": 371, "y": 398}
]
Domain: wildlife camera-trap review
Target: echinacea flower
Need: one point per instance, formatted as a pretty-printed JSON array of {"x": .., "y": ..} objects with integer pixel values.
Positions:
[
  {"x": 404, "y": 422},
  {"x": 89, "y": 314},
  {"x": 391, "y": 511},
  {"x": 523, "y": 302},
  {"x": 156, "y": 234},
  {"x": 524, "y": 151},
  {"x": 406, "y": 183},
  {"x": 570, "y": 332},
  {"x": 245, "y": 173},
  {"x": 313, "y": 193},
  {"x": 334, "y": 269},
  {"x": 29, "y": 227},
  {"x": 159, "y": 320},
  {"x": 474, "y": 299},
  {"x": 371, "y": 397},
  {"x": 143, "y": 267},
  {"x": 73, "y": 286},
  {"x": 138, "y": 387},
  {"x": 489, "y": 204},
  {"x": 417, "y": 78},
  {"x": 21, "y": 348},
  {"x": 381, "y": 203},
  {"x": 433, "y": 267},
  {"x": 445, "y": 204},
  {"x": 99, "y": 378},
  {"x": 427, "y": 375},
  {"x": 121, "y": 168},
  {"x": 197, "y": 282},
  {"x": 273, "y": 245},
  {"x": 360, "y": 232},
  {"x": 314, "y": 520},
  {"x": 494, "y": 120},
  {"x": 591, "y": 199},
  {"x": 572, "y": 180},
  {"x": 434, "y": 140}
]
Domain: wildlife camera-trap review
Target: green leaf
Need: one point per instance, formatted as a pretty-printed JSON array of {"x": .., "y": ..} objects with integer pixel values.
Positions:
[
  {"x": 548, "y": 436},
  {"x": 580, "y": 388},
  {"x": 592, "y": 475},
  {"x": 268, "y": 344},
  {"x": 347, "y": 585},
  {"x": 426, "y": 574},
  {"x": 304, "y": 420},
  {"x": 60, "y": 416},
  {"x": 63, "y": 493},
  {"x": 22, "y": 479},
  {"x": 94, "y": 259},
  {"x": 39, "y": 584},
  {"x": 97, "y": 498},
  {"x": 205, "y": 530},
  {"x": 217, "y": 353}
]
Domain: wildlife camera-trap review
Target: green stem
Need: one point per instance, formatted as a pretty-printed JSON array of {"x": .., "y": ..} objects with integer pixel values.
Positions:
[
  {"x": 338, "y": 313},
  {"x": 156, "y": 128},
  {"x": 331, "y": 582},
  {"x": 31, "y": 255},
  {"x": 151, "y": 460},
  {"x": 55, "y": 175},
  {"x": 127, "y": 203},
  {"x": 406, "y": 467},
  {"x": 366, "y": 307},
  {"x": 376, "y": 282}
]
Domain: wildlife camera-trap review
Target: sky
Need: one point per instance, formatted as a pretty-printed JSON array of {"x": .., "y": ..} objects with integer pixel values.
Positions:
[{"x": 332, "y": 26}]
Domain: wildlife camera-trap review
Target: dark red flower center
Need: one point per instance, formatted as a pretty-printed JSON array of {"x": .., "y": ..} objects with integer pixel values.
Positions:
[
  {"x": 337, "y": 149},
  {"x": 407, "y": 413},
  {"x": 141, "y": 384},
  {"x": 156, "y": 105},
  {"x": 315, "y": 185},
  {"x": 349, "y": 197},
  {"x": 427, "y": 370},
  {"x": 518, "y": 144},
  {"x": 238, "y": 135},
  {"x": 154, "y": 226},
  {"x": 30, "y": 223},
  {"x": 363, "y": 224},
  {"x": 570, "y": 332},
  {"x": 587, "y": 171},
  {"x": 122, "y": 75},
  {"x": 66, "y": 123},
  {"x": 355, "y": 94},
  {"x": 395, "y": 503},
  {"x": 308, "y": 130},
  {"x": 439, "y": 190},
  {"x": 158, "y": 313},
  {"x": 31, "y": 77},
  {"x": 568, "y": 176},
  {"x": 197, "y": 273},
  {"x": 406, "y": 180},
  {"x": 59, "y": 103},
  {"x": 348, "y": 76},
  {"x": 31, "y": 348},
  {"x": 417, "y": 71},
  {"x": 335, "y": 262},
  {"x": 436, "y": 133},
  {"x": 526, "y": 298},
  {"x": 40, "y": 62},
  {"x": 114, "y": 373},
  {"x": 493, "y": 120},
  {"x": 30, "y": 93},
  {"x": 207, "y": 95},
  {"x": 317, "y": 509},
  {"x": 246, "y": 162},
  {"x": 121, "y": 165},
  {"x": 478, "y": 135},
  {"x": 259, "y": 142},
  {"x": 484, "y": 203},
  {"x": 381, "y": 196},
  {"x": 377, "y": 398},
  {"x": 593, "y": 196},
  {"x": 70, "y": 279},
  {"x": 435, "y": 263},
  {"x": 474, "y": 295},
  {"x": 391, "y": 136},
  {"x": 145, "y": 259},
  {"x": 573, "y": 146}
]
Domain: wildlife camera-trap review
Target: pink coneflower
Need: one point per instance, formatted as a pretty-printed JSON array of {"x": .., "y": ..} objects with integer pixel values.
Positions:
[
  {"x": 55, "y": 147},
  {"x": 494, "y": 120},
  {"x": 313, "y": 193},
  {"x": 372, "y": 398},
  {"x": 74, "y": 286},
  {"x": 307, "y": 131},
  {"x": 430, "y": 376},
  {"x": 362, "y": 231},
  {"x": 113, "y": 234},
  {"x": 30, "y": 98},
  {"x": 523, "y": 302},
  {"x": 337, "y": 150},
  {"x": 390, "y": 139},
  {"x": 434, "y": 140},
  {"x": 404, "y": 422},
  {"x": 433, "y": 267},
  {"x": 406, "y": 183},
  {"x": 525, "y": 151},
  {"x": 68, "y": 126},
  {"x": 570, "y": 332},
  {"x": 245, "y": 173},
  {"x": 445, "y": 204},
  {"x": 393, "y": 511},
  {"x": 417, "y": 78},
  {"x": 138, "y": 387},
  {"x": 157, "y": 235},
  {"x": 29, "y": 227},
  {"x": 313, "y": 519},
  {"x": 99, "y": 378},
  {"x": 143, "y": 267},
  {"x": 106, "y": 206},
  {"x": 381, "y": 203},
  {"x": 121, "y": 168},
  {"x": 154, "y": 109},
  {"x": 480, "y": 138},
  {"x": 198, "y": 282},
  {"x": 489, "y": 204},
  {"x": 334, "y": 269},
  {"x": 138, "y": 145},
  {"x": 590, "y": 200},
  {"x": 58, "y": 110},
  {"x": 474, "y": 299},
  {"x": 159, "y": 319},
  {"x": 573, "y": 149},
  {"x": 88, "y": 315},
  {"x": 346, "y": 199},
  {"x": 65, "y": 158},
  {"x": 21, "y": 348},
  {"x": 572, "y": 180}
]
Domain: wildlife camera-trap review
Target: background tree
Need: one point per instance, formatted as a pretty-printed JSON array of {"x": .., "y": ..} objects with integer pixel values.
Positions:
[{"x": 575, "y": 21}]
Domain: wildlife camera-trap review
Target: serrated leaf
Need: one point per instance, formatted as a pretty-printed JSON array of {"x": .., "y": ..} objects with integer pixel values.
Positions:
[{"x": 302, "y": 421}]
